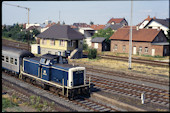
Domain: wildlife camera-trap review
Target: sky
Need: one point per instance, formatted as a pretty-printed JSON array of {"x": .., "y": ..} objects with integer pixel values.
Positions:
[{"x": 99, "y": 12}]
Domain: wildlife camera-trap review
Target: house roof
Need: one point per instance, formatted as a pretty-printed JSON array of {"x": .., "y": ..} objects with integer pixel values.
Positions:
[
  {"x": 137, "y": 35},
  {"x": 50, "y": 24},
  {"x": 114, "y": 26},
  {"x": 97, "y": 27},
  {"x": 116, "y": 20},
  {"x": 98, "y": 39},
  {"x": 164, "y": 22},
  {"x": 64, "y": 32},
  {"x": 32, "y": 27}
]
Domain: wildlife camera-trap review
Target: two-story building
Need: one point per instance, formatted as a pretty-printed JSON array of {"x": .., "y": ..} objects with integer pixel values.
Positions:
[
  {"x": 61, "y": 40},
  {"x": 155, "y": 23}
]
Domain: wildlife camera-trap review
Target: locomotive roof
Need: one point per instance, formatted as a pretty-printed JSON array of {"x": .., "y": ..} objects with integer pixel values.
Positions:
[
  {"x": 49, "y": 56},
  {"x": 16, "y": 52}
]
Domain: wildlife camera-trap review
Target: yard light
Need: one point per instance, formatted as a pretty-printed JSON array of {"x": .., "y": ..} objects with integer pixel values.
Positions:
[{"x": 130, "y": 38}]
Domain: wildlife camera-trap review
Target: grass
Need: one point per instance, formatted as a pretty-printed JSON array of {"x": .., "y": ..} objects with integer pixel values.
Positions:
[{"x": 7, "y": 103}]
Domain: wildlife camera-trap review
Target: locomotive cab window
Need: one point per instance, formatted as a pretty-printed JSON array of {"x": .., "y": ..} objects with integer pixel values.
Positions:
[
  {"x": 7, "y": 58},
  {"x": 55, "y": 61},
  {"x": 12, "y": 60},
  {"x": 47, "y": 62},
  {"x": 15, "y": 61},
  {"x": 43, "y": 61},
  {"x": 2, "y": 58}
]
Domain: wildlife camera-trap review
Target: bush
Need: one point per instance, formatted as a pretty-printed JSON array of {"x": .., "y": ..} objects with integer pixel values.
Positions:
[{"x": 92, "y": 53}]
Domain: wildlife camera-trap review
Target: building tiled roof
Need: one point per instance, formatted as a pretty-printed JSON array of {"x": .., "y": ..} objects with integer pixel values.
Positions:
[
  {"x": 98, "y": 39},
  {"x": 81, "y": 25},
  {"x": 64, "y": 32},
  {"x": 97, "y": 27},
  {"x": 114, "y": 26},
  {"x": 164, "y": 22},
  {"x": 32, "y": 27},
  {"x": 146, "y": 35},
  {"x": 116, "y": 20},
  {"x": 50, "y": 24}
]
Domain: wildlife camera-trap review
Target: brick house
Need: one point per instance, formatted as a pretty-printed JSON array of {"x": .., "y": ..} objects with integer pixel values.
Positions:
[
  {"x": 100, "y": 44},
  {"x": 144, "y": 41}
]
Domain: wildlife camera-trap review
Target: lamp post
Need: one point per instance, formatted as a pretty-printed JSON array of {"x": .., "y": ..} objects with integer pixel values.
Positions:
[{"x": 130, "y": 38}]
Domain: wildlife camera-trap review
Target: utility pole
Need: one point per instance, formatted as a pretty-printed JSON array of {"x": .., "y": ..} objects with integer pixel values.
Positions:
[
  {"x": 130, "y": 38},
  {"x": 28, "y": 17}
]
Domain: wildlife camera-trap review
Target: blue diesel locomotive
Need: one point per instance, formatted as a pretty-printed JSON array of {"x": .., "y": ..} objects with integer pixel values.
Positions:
[{"x": 50, "y": 71}]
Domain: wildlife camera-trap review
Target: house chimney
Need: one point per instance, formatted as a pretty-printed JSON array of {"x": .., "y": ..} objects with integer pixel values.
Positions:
[
  {"x": 148, "y": 16},
  {"x": 58, "y": 23},
  {"x": 158, "y": 28},
  {"x": 137, "y": 28}
]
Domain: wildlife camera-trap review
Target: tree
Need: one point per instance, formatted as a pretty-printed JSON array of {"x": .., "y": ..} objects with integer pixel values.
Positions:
[
  {"x": 91, "y": 23},
  {"x": 107, "y": 33}
]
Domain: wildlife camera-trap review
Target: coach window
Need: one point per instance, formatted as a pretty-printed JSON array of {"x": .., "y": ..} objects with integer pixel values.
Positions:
[
  {"x": 7, "y": 59},
  {"x": 12, "y": 60},
  {"x": 2, "y": 58},
  {"x": 15, "y": 61}
]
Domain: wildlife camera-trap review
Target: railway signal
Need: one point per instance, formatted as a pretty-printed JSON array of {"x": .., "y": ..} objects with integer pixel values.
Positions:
[{"x": 28, "y": 17}]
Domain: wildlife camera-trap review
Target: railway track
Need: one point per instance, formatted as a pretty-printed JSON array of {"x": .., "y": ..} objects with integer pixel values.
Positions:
[
  {"x": 154, "y": 95},
  {"x": 84, "y": 102},
  {"x": 129, "y": 76},
  {"x": 15, "y": 44},
  {"x": 136, "y": 60}
]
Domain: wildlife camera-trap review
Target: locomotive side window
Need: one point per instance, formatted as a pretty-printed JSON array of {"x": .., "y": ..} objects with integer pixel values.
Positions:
[
  {"x": 2, "y": 58},
  {"x": 12, "y": 60},
  {"x": 15, "y": 61},
  {"x": 7, "y": 59}
]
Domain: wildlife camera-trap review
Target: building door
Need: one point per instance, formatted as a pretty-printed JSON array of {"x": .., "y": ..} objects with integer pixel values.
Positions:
[
  {"x": 165, "y": 52},
  {"x": 153, "y": 52},
  {"x": 134, "y": 50},
  {"x": 95, "y": 45}
]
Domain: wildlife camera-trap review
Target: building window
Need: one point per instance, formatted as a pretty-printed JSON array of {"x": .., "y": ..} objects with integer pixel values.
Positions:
[
  {"x": 52, "y": 42},
  {"x": 140, "y": 49},
  {"x": 115, "y": 47},
  {"x": 11, "y": 60},
  {"x": 49, "y": 52},
  {"x": 15, "y": 61},
  {"x": 43, "y": 41},
  {"x": 124, "y": 48},
  {"x": 70, "y": 43},
  {"x": 146, "y": 49},
  {"x": 62, "y": 43}
]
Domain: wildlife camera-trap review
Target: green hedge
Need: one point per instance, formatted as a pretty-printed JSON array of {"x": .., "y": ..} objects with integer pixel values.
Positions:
[{"x": 92, "y": 53}]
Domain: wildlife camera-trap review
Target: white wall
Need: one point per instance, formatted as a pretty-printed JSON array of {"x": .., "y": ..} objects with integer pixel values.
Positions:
[{"x": 155, "y": 25}]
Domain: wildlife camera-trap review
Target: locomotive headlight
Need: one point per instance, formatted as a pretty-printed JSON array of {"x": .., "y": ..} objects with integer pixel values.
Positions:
[{"x": 71, "y": 84}]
